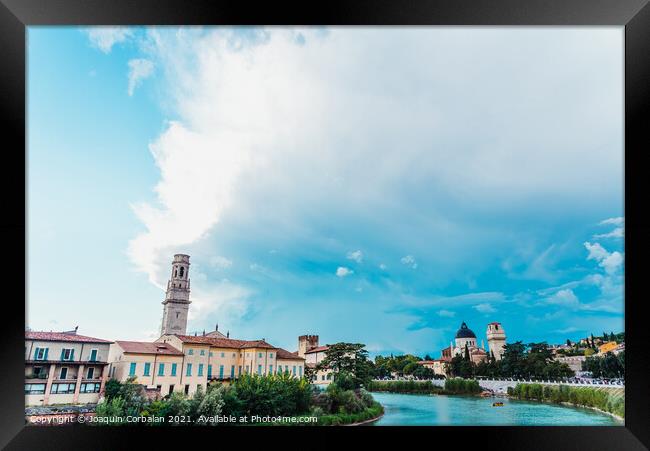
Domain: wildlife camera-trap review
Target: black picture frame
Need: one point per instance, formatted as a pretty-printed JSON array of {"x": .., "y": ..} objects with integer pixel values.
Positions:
[{"x": 634, "y": 15}]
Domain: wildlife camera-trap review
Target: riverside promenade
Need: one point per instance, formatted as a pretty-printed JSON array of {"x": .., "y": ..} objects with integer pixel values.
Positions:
[{"x": 501, "y": 385}]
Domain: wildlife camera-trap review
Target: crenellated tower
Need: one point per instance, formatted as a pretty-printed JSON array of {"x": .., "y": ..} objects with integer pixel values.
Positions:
[
  {"x": 496, "y": 339},
  {"x": 177, "y": 298},
  {"x": 306, "y": 343}
]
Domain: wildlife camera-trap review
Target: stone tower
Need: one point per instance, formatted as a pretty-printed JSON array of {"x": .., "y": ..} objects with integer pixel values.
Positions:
[
  {"x": 496, "y": 339},
  {"x": 306, "y": 343},
  {"x": 177, "y": 299}
]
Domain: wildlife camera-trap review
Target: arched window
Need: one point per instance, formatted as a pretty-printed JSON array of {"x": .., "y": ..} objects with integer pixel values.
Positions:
[
  {"x": 175, "y": 273},
  {"x": 182, "y": 271}
]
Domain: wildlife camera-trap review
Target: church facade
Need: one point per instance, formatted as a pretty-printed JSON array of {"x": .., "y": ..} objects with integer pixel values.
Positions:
[{"x": 465, "y": 344}]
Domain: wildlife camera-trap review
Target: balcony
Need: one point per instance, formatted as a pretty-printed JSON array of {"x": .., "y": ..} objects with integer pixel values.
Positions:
[
  {"x": 40, "y": 375},
  {"x": 66, "y": 362}
]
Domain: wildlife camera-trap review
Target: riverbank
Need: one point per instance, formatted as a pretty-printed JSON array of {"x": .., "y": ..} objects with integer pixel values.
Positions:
[
  {"x": 454, "y": 386},
  {"x": 609, "y": 402},
  {"x": 368, "y": 415}
]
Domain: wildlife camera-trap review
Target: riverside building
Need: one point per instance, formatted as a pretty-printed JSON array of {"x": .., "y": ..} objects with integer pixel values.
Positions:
[
  {"x": 64, "y": 368},
  {"x": 313, "y": 354}
]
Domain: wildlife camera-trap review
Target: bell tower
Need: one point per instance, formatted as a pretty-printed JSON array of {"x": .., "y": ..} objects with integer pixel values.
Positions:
[
  {"x": 496, "y": 339},
  {"x": 177, "y": 299}
]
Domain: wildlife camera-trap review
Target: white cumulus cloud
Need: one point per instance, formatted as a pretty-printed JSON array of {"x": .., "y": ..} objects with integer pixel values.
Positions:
[
  {"x": 342, "y": 271},
  {"x": 616, "y": 233},
  {"x": 613, "y": 221},
  {"x": 446, "y": 313},
  {"x": 264, "y": 127},
  {"x": 611, "y": 262},
  {"x": 357, "y": 256},
  {"x": 409, "y": 261},
  {"x": 596, "y": 251},
  {"x": 485, "y": 308},
  {"x": 564, "y": 297},
  {"x": 139, "y": 69},
  {"x": 104, "y": 38},
  {"x": 220, "y": 262}
]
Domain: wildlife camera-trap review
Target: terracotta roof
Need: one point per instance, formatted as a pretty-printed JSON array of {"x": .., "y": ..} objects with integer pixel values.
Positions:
[
  {"x": 225, "y": 342},
  {"x": 318, "y": 349},
  {"x": 257, "y": 344},
  {"x": 62, "y": 336},
  {"x": 286, "y": 355},
  {"x": 145, "y": 347}
]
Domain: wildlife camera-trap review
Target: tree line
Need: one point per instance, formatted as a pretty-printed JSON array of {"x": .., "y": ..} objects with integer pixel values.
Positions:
[
  {"x": 519, "y": 360},
  {"x": 609, "y": 366}
]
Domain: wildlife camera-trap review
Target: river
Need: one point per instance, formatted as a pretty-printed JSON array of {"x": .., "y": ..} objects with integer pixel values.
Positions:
[{"x": 439, "y": 410}]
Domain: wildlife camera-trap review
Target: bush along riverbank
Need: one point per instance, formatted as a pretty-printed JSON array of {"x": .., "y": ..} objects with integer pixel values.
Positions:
[
  {"x": 249, "y": 400},
  {"x": 604, "y": 400},
  {"x": 454, "y": 386}
]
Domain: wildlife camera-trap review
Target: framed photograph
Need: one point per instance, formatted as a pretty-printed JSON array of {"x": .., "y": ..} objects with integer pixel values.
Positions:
[{"x": 405, "y": 218}]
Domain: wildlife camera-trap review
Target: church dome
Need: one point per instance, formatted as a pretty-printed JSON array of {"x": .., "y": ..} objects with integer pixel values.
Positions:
[{"x": 465, "y": 332}]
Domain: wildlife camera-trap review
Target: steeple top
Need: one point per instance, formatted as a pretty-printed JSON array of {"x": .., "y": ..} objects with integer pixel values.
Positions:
[{"x": 181, "y": 258}]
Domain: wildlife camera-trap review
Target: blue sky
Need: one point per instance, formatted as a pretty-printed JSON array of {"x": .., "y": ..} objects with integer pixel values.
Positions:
[{"x": 376, "y": 185}]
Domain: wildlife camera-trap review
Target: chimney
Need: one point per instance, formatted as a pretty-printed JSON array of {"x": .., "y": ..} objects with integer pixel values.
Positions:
[
  {"x": 75, "y": 329},
  {"x": 228, "y": 334},
  {"x": 216, "y": 327},
  {"x": 204, "y": 332}
]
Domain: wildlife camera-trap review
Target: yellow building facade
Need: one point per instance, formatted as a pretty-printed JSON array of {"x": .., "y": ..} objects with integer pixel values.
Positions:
[{"x": 183, "y": 363}]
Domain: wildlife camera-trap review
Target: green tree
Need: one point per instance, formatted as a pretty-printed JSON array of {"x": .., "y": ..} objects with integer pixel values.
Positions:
[
  {"x": 112, "y": 388},
  {"x": 113, "y": 408},
  {"x": 423, "y": 372},
  {"x": 460, "y": 367},
  {"x": 212, "y": 403},
  {"x": 411, "y": 367},
  {"x": 177, "y": 405},
  {"x": 133, "y": 396},
  {"x": 348, "y": 357},
  {"x": 513, "y": 360},
  {"x": 608, "y": 366},
  {"x": 310, "y": 372},
  {"x": 536, "y": 362}
]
